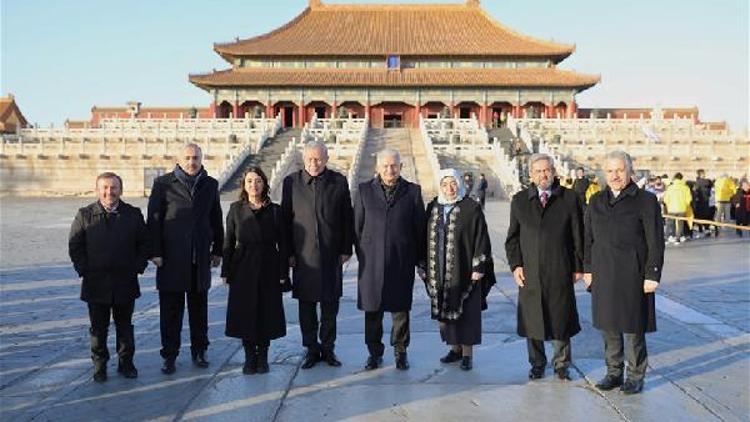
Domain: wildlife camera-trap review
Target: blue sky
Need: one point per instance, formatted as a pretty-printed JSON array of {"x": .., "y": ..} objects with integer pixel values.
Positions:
[{"x": 61, "y": 57}]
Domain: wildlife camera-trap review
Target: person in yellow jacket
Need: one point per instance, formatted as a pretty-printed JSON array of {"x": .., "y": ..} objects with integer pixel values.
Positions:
[
  {"x": 724, "y": 188},
  {"x": 592, "y": 189},
  {"x": 677, "y": 200}
]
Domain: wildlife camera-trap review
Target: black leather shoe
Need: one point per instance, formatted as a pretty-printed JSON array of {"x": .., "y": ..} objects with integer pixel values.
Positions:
[
  {"x": 466, "y": 363},
  {"x": 168, "y": 366},
  {"x": 562, "y": 374},
  {"x": 451, "y": 357},
  {"x": 632, "y": 387},
  {"x": 311, "y": 358},
  {"x": 100, "y": 372},
  {"x": 402, "y": 363},
  {"x": 199, "y": 359},
  {"x": 127, "y": 369},
  {"x": 330, "y": 359},
  {"x": 536, "y": 372},
  {"x": 609, "y": 382},
  {"x": 373, "y": 362}
]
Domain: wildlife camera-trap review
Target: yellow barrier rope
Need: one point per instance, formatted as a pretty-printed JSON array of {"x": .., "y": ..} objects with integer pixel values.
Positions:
[{"x": 692, "y": 220}]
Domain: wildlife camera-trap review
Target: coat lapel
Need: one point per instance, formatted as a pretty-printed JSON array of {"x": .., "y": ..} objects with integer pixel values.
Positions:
[{"x": 180, "y": 187}]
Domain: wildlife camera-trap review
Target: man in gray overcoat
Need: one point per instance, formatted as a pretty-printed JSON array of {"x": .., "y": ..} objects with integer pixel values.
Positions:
[
  {"x": 389, "y": 224},
  {"x": 624, "y": 255}
]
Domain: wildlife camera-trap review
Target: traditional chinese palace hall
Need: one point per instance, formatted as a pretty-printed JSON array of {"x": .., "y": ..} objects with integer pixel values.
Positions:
[{"x": 393, "y": 63}]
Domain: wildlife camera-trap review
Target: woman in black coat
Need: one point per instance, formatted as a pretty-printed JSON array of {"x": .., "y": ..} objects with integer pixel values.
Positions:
[
  {"x": 255, "y": 271},
  {"x": 459, "y": 269}
]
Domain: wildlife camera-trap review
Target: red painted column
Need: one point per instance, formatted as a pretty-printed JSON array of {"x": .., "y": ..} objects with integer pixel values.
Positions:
[
  {"x": 483, "y": 115},
  {"x": 236, "y": 110},
  {"x": 269, "y": 111},
  {"x": 572, "y": 109},
  {"x": 517, "y": 111},
  {"x": 334, "y": 113},
  {"x": 302, "y": 115},
  {"x": 212, "y": 109},
  {"x": 367, "y": 112}
]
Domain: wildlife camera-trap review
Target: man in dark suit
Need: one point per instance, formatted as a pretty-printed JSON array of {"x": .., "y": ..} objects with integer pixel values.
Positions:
[
  {"x": 109, "y": 246},
  {"x": 316, "y": 206},
  {"x": 544, "y": 247},
  {"x": 185, "y": 221},
  {"x": 388, "y": 223},
  {"x": 624, "y": 255},
  {"x": 581, "y": 185}
]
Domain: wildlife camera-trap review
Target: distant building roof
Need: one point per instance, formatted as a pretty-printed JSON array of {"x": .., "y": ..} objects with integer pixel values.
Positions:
[{"x": 10, "y": 115}]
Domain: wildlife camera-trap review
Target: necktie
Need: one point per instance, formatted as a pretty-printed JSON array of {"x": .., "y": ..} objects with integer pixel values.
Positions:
[{"x": 543, "y": 199}]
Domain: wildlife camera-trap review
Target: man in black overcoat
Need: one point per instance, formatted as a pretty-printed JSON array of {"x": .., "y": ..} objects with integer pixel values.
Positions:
[
  {"x": 544, "y": 248},
  {"x": 109, "y": 246},
  {"x": 624, "y": 254},
  {"x": 185, "y": 221},
  {"x": 388, "y": 222},
  {"x": 316, "y": 206}
]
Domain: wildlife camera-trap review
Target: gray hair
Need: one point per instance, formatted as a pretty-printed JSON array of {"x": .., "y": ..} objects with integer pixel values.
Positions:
[
  {"x": 539, "y": 156},
  {"x": 316, "y": 145},
  {"x": 194, "y": 146},
  {"x": 622, "y": 156},
  {"x": 389, "y": 152}
]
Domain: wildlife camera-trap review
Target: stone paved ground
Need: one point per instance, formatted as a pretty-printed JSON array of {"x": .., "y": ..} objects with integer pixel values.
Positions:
[{"x": 699, "y": 362}]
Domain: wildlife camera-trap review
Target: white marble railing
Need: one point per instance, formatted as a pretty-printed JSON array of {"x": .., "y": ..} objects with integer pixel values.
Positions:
[
  {"x": 432, "y": 158},
  {"x": 631, "y": 130},
  {"x": 156, "y": 129},
  {"x": 355, "y": 165},
  {"x": 506, "y": 169},
  {"x": 109, "y": 141},
  {"x": 455, "y": 131},
  {"x": 286, "y": 162}
]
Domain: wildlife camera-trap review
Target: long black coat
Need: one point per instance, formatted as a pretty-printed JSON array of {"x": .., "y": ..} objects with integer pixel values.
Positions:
[
  {"x": 389, "y": 244},
  {"x": 624, "y": 246},
  {"x": 320, "y": 216},
  {"x": 253, "y": 266},
  {"x": 109, "y": 251},
  {"x": 548, "y": 244},
  {"x": 185, "y": 230}
]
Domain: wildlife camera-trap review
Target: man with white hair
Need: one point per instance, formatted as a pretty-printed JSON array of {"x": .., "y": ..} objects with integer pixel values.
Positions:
[
  {"x": 389, "y": 233},
  {"x": 624, "y": 254},
  {"x": 544, "y": 247},
  {"x": 316, "y": 206}
]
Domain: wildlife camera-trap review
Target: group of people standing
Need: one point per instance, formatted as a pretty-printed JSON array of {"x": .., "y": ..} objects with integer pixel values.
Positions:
[
  {"x": 721, "y": 200},
  {"x": 615, "y": 248}
]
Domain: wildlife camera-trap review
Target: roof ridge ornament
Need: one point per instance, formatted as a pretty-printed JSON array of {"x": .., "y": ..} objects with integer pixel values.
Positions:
[
  {"x": 473, "y": 3},
  {"x": 314, "y": 4}
]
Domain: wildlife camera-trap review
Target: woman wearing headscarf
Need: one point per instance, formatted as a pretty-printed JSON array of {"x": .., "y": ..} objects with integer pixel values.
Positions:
[
  {"x": 255, "y": 271},
  {"x": 459, "y": 270}
]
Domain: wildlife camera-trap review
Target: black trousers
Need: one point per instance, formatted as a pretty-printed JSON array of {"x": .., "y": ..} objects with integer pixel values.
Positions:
[
  {"x": 537, "y": 357},
  {"x": 400, "y": 333},
  {"x": 171, "y": 312},
  {"x": 123, "y": 316},
  {"x": 634, "y": 348},
  {"x": 260, "y": 343},
  {"x": 308, "y": 323}
]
